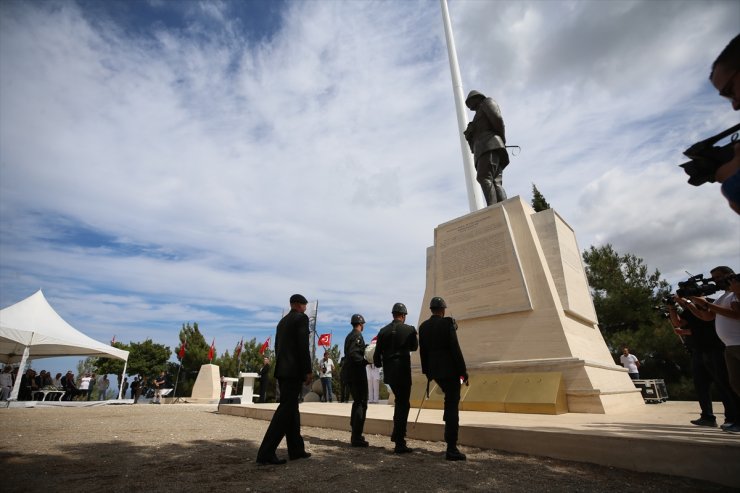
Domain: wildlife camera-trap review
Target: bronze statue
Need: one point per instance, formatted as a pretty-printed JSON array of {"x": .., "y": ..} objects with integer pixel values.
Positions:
[{"x": 486, "y": 137}]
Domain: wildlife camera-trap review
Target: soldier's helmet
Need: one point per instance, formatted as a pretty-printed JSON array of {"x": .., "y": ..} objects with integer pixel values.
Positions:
[
  {"x": 437, "y": 302},
  {"x": 399, "y": 308},
  {"x": 357, "y": 319}
]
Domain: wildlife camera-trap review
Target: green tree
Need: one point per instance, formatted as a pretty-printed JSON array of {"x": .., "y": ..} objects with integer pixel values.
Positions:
[
  {"x": 625, "y": 297},
  {"x": 147, "y": 358},
  {"x": 538, "y": 200},
  {"x": 196, "y": 355},
  {"x": 112, "y": 366}
]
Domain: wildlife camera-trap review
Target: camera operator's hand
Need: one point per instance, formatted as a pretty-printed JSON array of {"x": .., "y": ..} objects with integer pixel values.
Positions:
[{"x": 700, "y": 302}]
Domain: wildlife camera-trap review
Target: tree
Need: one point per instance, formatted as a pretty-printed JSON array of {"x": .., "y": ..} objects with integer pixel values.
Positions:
[
  {"x": 625, "y": 297},
  {"x": 147, "y": 358},
  {"x": 538, "y": 200},
  {"x": 196, "y": 355}
]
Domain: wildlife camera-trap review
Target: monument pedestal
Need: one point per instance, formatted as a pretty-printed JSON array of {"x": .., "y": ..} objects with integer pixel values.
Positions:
[
  {"x": 514, "y": 281},
  {"x": 207, "y": 387}
]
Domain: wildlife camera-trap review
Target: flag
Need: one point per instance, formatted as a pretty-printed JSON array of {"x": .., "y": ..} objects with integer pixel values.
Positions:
[
  {"x": 212, "y": 351},
  {"x": 265, "y": 346},
  {"x": 239, "y": 348},
  {"x": 113, "y": 341},
  {"x": 374, "y": 340},
  {"x": 325, "y": 340},
  {"x": 181, "y": 352}
]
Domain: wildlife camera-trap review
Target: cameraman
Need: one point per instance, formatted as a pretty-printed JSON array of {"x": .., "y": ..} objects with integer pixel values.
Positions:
[
  {"x": 725, "y": 76},
  {"x": 727, "y": 323},
  {"x": 707, "y": 363}
]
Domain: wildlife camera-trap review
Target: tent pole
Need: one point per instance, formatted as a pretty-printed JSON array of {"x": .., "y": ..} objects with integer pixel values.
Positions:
[
  {"x": 21, "y": 371},
  {"x": 120, "y": 384}
]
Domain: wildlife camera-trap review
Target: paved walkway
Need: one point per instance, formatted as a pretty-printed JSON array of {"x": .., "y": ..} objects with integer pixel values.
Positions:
[{"x": 658, "y": 438}]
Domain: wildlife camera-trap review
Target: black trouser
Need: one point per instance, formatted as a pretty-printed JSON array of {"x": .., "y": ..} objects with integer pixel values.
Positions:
[
  {"x": 489, "y": 173},
  {"x": 402, "y": 394},
  {"x": 451, "y": 417},
  {"x": 263, "y": 390},
  {"x": 358, "y": 387},
  {"x": 286, "y": 422},
  {"x": 709, "y": 367}
]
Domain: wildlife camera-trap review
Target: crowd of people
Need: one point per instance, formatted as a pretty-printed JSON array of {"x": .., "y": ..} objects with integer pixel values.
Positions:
[{"x": 33, "y": 386}]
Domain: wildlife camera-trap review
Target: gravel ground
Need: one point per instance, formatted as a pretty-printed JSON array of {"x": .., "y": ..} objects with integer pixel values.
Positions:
[{"x": 192, "y": 448}]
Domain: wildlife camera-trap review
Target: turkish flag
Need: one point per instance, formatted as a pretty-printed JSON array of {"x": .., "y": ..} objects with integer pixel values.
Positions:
[
  {"x": 212, "y": 351},
  {"x": 265, "y": 346},
  {"x": 181, "y": 352},
  {"x": 325, "y": 340},
  {"x": 239, "y": 348}
]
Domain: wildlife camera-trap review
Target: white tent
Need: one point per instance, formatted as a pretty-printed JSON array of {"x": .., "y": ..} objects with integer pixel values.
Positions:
[{"x": 31, "y": 328}]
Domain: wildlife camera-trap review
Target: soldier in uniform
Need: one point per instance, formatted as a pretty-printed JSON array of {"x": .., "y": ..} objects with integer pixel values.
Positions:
[
  {"x": 395, "y": 341},
  {"x": 292, "y": 369},
  {"x": 486, "y": 137},
  {"x": 354, "y": 374},
  {"x": 443, "y": 362}
]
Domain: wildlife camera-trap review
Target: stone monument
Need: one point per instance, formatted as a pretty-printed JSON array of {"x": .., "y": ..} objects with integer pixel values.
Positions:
[{"x": 514, "y": 281}]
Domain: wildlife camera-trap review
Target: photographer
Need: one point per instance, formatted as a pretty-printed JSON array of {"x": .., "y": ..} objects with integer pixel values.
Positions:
[
  {"x": 707, "y": 363},
  {"x": 727, "y": 324},
  {"x": 725, "y": 76}
]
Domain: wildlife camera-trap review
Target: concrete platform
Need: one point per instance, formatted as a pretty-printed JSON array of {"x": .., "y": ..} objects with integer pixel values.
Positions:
[{"x": 658, "y": 439}]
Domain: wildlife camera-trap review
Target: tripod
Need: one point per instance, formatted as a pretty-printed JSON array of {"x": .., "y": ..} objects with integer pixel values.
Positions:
[{"x": 177, "y": 379}]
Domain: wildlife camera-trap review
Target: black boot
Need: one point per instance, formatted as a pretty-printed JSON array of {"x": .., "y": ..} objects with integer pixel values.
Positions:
[{"x": 453, "y": 453}]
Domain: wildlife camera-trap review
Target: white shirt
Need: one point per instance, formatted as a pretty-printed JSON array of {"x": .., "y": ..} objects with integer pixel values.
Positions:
[
  {"x": 629, "y": 362},
  {"x": 728, "y": 329},
  {"x": 6, "y": 380},
  {"x": 85, "y": 383},
  {"x": 327, "y": 365}
]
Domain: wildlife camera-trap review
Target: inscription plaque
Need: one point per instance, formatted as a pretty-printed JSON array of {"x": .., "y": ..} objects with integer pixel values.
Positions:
[{"x": 478, "y": 271}]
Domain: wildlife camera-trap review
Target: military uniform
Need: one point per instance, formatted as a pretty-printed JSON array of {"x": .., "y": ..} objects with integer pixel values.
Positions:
[
  {"x": 486, "y": 136},
  {"x": 443, "y": 362},
  {"x": 395, "y": 341},
  {"x": 354, "y": 351},
  {"x": 292, "y": 364}
]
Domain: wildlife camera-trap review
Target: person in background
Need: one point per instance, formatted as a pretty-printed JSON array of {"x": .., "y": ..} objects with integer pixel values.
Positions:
[
  {"x": 103, "y": 385},
  {"x": 264, "y": 379},
  {"x": 6, "y": 383},
  {"x": 326, "y": 366},
  {"x": 630, "y": 362}
]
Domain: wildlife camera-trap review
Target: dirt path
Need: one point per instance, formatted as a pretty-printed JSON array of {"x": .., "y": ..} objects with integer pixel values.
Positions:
[{"x": 192, "y": 448}]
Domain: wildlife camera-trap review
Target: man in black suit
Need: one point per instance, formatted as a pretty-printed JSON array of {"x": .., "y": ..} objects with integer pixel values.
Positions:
[
  {"x": 395, "y": 341},
  {"x": 443, "y": 362},
  {"x": 264, "y": 379},
  {"x": 292, "y": 369}
]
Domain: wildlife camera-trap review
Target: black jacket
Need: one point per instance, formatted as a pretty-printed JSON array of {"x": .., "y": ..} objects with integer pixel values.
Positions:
[
  {"x": 439, "y": 350},
  {"x": 354, "y": 357},
  {"x": 395, "y": 341},
  {"x": 292, "y": 357}
]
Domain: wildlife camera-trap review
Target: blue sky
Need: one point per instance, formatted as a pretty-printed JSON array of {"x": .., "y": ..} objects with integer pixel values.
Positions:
[{"x": 170, "y": 162}]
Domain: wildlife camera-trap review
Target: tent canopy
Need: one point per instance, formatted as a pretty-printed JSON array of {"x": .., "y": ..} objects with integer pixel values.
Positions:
[{"x": 32, "y": 323}]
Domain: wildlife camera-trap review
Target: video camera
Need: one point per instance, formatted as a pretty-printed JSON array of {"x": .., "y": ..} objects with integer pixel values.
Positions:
[
  {"x": 696, "y": 286},
  {"x": 706, "y": 158}
]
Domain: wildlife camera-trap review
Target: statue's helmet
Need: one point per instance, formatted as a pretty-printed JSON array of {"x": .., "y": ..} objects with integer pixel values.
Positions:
[
  {"x": 357, "y": 319},
  {"x": 472, "y": 95},
  {"x": 437, "y": 302},
  {"x": 399, "y": 308}
]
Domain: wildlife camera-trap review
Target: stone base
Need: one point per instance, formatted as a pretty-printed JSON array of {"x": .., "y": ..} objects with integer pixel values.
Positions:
[
  {"x": 208, "y": 383},
  {"x": 589, "y": 387}
]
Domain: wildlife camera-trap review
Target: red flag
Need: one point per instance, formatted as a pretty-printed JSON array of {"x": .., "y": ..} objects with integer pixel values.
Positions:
[
  {"x": 113, "y": 341},
  {"x": 265, "y": 346},
  {"x": 374, "y": 340},
  {"x": 325, "y": 340},
  {"x": 181, "y": 352},
  {"x": 212, "y": 351},
  {"x": 239, "y": 348}
]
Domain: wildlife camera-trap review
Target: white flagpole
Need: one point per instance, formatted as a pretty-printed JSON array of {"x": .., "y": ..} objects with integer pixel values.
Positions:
[{"x": 475, "y": 196}]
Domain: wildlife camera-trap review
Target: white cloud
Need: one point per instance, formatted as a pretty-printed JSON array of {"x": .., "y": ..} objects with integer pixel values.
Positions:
[{"x": 227, "y": 170}]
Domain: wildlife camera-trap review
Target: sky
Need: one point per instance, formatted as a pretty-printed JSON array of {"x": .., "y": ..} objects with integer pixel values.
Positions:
[{"x": 165, "y": 162}]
